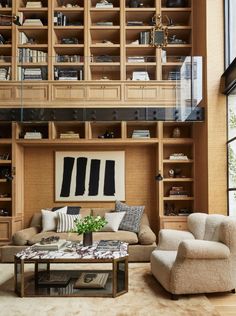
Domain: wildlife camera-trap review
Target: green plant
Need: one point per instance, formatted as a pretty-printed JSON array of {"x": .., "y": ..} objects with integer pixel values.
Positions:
[{"x": 89, "y": 224}]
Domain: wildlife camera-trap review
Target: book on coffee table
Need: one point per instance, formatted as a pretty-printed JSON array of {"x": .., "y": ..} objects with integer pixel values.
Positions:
[
  {"x": 52, "y": 246},
  {"x": 96, "y": 280},
  {"x": 108, "y": 245}
]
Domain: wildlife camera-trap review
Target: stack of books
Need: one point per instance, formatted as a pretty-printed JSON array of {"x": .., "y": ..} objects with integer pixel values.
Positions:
[
  {"x": 32, "y": 22},
  {"x": 105, "y": 23},
  {"x": 104, "y": 4},
  {"x": 144, "y": 37},
  {"x": 51, "y": 247},
  {"x": 23, "y": 39},
  {"x": 68, "y": 74},
  {"x": 178, "y": 192},
  {"x": 5, "y": 73},
  {"x": 141, "y": 133},
  {"x": 34, "y": 4},
  {"x": 30, "y": 74},
  {"x": 140, "y": 75},
  {"x": 178, "y": 156},
  {"x": 27, "y": 55},
  {"x": 134, "y": 23},
  {"x": 174, "y": 75},
  {"x": 108, "y": 245},
  {"x": 69, "y": 58},
  {"x": 96, "y": 280},
  {"x": 69, "y": 135},
  {"x": 33, "y": 135},
  {"x": 136, "y": 59}
]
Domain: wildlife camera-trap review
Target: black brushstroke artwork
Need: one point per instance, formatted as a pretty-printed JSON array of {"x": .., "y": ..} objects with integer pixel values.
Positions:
[
  {"x": 94, "y": 177},
  {"x": 109, "y": 180},
  {"x": 80, "y": 175},
  {"x": 67, "y": 173}
]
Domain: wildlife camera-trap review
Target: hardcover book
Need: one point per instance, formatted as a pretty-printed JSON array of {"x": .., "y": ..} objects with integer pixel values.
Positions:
[{"x": 92, "y": 280}]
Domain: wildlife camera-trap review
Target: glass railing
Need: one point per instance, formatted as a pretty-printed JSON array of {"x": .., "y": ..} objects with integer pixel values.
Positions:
[{"x": 34, "y": 80}]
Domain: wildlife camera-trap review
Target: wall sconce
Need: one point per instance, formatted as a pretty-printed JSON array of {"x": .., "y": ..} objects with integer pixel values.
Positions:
[
  {"x": 8, "y": 19},
  {"x": 159, "y": 176},
  {"x": 159, "y": 33}
]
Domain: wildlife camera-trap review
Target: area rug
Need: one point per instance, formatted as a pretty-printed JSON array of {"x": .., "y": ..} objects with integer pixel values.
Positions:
[{"x": 145, "y": 298}]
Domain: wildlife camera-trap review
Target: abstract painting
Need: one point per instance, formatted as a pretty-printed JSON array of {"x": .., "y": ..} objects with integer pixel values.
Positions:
[{"x": 90, "y": 176}]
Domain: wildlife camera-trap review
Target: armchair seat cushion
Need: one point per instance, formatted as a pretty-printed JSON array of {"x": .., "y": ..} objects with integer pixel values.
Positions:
[{"x": 203, "y": 249}]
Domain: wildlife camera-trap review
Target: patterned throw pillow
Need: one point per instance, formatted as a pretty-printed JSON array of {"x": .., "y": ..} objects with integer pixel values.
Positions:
[
  {"x": 132, "y": 218},
  {"x": 66, "y": 222}
]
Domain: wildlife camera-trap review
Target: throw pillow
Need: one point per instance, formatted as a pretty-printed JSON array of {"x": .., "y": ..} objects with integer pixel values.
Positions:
[
  {"x": 72, "y": 210},
  {"x": 66, "y": 222},
  {"x": 131, "y": 220},
  {"x": 114, "y": 219},
  {"x": 49, "y": 219}
]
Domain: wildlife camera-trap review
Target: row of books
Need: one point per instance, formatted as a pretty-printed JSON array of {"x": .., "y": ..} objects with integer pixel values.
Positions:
[
  {"x": 33, "y": 135},
  {"x": 69, "y": 135},
  {"x": 61, "y": 19},
  {"x": 5, "y": 73},
  {"x": 69, "y": 58},
  {"x": 32, "y": 73},
  {"x": 68, "y": 74},
  {"x": 178, "y": 191},
  {"x": 141, "y": 133},
  {"x": 27, "y": 55},
  {"x": 178, "y": 156}
]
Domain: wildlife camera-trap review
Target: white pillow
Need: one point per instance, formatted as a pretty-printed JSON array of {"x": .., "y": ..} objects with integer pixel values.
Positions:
[
  {"x": 49, "y": 219},
  {"x": 114, "y": 219},
  {"x": 66, "y": 222}
]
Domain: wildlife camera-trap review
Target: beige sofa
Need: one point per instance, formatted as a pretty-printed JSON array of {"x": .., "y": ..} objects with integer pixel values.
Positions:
[
  {"x": 141, "y": 244},
  {"x": 201, "y": 260}
]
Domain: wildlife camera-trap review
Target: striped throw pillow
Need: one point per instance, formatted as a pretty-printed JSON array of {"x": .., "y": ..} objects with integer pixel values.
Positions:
[{"x": 66, "y": 222}]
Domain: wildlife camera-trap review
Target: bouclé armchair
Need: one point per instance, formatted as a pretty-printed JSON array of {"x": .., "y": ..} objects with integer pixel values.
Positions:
[{"x": 201, "y": 260}]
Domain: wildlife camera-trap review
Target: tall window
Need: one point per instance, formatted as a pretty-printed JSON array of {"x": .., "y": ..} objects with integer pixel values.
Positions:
[{"x": 230, "y": 49}]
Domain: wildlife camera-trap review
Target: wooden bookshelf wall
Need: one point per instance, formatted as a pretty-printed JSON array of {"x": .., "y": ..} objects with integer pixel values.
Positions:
[
  {"x": 97, "y": 43},
  {"x": 145, "y": 158}
]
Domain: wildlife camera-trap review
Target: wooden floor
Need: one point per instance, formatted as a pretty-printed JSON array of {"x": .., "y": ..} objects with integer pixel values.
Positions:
[{"x": 225, "y": 304}]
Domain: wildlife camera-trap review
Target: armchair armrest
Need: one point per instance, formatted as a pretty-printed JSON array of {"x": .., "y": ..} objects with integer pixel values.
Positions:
[
  {"x": 21, "y": 237},
  {"x": 169, "y": 239},
  {"x": 202, "y": 249}
]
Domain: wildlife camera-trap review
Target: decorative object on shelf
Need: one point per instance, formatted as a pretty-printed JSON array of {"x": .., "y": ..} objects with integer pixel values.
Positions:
[
  {"x": 174, "y": 40},
  {"x": 6, "y": 173},
  {"x": 159, "y": 33},
  {"x": 4, "y": 212},
  {"x": 87, "y": 226},
  {"x": 159, "y": 177},
  {"x": 176, "y": 3},
  {"x": 171, "y": 173},
  {"x": 6, "y": 19},
  {"x": 5, "y": 156},
  {"x": 90, "y": 176},
  {"x": 184, "y": 212},
  {"x": 69, "y": 40},
  {"x": 169, "y": 209},
  {"x": 107, "y": 134},
  {"x": 134, "y": 3},
  {"x": 176, "y": 132}
]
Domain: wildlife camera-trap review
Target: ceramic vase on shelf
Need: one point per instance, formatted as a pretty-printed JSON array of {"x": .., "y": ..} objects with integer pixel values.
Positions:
[{"x": 87, "y": 239}]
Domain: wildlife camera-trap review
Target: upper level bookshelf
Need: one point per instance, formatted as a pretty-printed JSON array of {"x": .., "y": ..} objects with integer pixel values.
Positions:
[{"x": 92, "y": 40}]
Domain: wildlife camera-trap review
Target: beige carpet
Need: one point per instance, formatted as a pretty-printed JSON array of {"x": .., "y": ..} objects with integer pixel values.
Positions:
[{"x": 145, "y": 297}]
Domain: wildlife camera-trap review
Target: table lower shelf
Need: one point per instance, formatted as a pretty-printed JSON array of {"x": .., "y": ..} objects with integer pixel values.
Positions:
[{"x": 31, "y": 288}]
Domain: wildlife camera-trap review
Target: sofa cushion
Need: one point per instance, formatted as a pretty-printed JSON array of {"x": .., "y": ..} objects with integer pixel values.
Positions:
[
  {"x": 49, "y": 218},
  {"x": 132, "y": 218},
  {"x": 113, "y": 221},
  {"x": 66, "y": 222}
]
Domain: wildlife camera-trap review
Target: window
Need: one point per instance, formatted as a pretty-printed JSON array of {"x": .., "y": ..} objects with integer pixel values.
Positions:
[{"x": 230, "y": 40}]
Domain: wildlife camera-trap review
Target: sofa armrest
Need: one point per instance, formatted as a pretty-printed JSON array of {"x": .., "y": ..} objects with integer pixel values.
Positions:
[
  {"x": 202, "y": 249},
  {"x": 145, "y": 235},
  {"x": 169, "y": 239},
  {"x": 21, "y": 237}
]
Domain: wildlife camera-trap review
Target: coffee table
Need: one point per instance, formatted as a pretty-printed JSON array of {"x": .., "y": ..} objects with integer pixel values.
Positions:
[{"x": 48, "y": 281}]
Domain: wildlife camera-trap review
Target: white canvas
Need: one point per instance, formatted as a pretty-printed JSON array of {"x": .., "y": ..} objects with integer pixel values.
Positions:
[{"x": 118, "y": 157}]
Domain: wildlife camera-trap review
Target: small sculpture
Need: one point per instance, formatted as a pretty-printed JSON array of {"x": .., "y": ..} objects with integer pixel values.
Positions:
[
  {"x": 176, "y": 132},
  {"x": 174, "y": 40}
]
